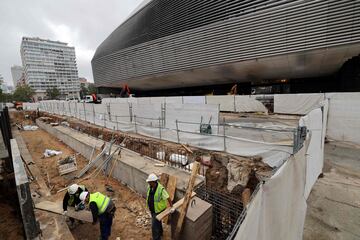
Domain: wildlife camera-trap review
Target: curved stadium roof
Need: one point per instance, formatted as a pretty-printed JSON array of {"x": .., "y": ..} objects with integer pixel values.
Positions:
[{"x": 167, "y": 44}]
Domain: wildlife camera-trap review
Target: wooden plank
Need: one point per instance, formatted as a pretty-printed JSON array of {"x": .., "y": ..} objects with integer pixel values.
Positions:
[
  {"x": 187, "y": 199},
  {"x": 176, "y": 205},
  {"x": 164, "y": 178},
  {"x": 186, "y": 148},
  {"x": 245, "y": 196},
  {"x": 56, "y": 207},
  {"x": 171, "y": 189}
]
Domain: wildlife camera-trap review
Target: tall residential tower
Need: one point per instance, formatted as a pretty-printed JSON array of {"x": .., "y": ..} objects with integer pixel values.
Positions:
[
  {"x": 49, "y": 64},
  {"x": 17, "y": 73}
]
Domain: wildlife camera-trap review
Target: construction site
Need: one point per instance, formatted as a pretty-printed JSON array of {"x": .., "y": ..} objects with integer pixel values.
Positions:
[
  {"x": 245, "y": 159},
  {"x": 276, "y": 158}
]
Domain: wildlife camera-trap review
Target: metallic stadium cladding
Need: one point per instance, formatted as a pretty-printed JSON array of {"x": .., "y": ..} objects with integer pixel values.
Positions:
[{"x": 183, "y": 43}]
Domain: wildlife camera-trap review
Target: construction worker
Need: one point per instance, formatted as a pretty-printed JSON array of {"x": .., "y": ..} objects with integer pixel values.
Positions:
[
  {"x": 102, "y": 208},
  {"x": 71, "y": 198},
  {"x": 156, "y": 200}
]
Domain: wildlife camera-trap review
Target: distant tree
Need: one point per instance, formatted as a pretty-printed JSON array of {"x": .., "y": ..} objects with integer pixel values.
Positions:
[
  {"x": 83, "y": 90},
  {"x": 23, "y": 93},
  {"x": 52, "y": 93},
  {"x": 6, "y": 97},
  {"x": 91, "y": 88}
]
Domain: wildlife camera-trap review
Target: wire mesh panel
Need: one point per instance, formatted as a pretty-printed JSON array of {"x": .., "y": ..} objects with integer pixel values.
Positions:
[{"x": 227, "y": 208}]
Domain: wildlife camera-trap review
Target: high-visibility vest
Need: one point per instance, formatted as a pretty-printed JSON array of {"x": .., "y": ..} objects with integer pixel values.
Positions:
[
  {"x": 159, "y": 204},
  {"x": 72, "y": 196},
  {"x": 101, "y": 201}
]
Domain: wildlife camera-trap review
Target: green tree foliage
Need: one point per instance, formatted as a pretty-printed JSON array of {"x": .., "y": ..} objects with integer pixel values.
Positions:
[
  {"x": 52, "y": 93},
  {"x": 23, "y": 93},
  {"x": 91, "y": 88},
  {"x": 87, "y": 90},
  {"x": 83, "y": 90}
]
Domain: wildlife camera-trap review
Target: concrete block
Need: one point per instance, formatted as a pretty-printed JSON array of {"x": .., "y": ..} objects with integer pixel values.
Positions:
[{"x": 198, "y": 221}]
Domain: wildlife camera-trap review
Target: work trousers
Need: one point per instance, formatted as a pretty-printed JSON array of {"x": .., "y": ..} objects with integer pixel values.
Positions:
[
  {"x": 105, "y": 220},
  {"x": 156, "y": 227}
]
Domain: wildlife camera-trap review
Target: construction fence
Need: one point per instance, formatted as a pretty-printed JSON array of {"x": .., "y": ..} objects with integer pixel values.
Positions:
[{"x": 196, "y": 124}]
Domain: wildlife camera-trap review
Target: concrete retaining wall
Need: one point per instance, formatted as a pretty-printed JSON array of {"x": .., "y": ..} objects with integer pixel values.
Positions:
[{"x": 131, "y": 169}]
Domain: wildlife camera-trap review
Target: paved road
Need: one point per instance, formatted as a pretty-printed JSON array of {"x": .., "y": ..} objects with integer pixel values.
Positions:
[{"x": 334, "y": 203}]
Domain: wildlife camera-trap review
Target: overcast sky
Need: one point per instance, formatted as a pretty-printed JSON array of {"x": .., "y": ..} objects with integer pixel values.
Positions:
[{"x": 83, "y": 24}]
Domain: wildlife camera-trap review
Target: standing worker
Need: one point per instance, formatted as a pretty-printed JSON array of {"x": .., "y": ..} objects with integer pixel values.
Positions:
[
  {"x": 156, "y": 200},
  {"x": 71, "y": 198},
  {"x": 101, "y": 207}
]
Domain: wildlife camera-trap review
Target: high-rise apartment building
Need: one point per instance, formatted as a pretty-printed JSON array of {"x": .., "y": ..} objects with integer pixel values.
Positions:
[
  {"x": 17, "y": 73},
  {"x": 49, "y": 64}
]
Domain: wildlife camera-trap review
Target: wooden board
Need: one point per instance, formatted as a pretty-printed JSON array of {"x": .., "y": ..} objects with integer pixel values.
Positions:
[
  {"x": 187, "y": 199},
  {"x": 164, "y": 178},
  {"x": 56, "y": 207},
  {"x": 171, "y": 189},
  {"x": 176, "y": 205}
]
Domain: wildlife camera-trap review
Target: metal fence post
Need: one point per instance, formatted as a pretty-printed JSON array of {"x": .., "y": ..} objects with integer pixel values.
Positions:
[
  {"x": 135, "y": 123},
  {"x": 69, "y": 109},
  {"x": 224, "y": 135},
  {"x": 117, "y": 123},
  {"x": 177, "y": 131},
  {"x": 160, "y": 128},
  {"x": 234, "y": 104},
  {"x": 94, "y": 113},
  {"x": 84, "y": 112},
  {"x": 218, "y": 130},
  {"x": 105, "y": 119},
  {"x": 130, "y": 112}
]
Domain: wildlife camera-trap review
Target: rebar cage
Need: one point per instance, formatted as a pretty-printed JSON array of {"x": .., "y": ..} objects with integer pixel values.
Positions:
[{"x": 227, "y": 208}]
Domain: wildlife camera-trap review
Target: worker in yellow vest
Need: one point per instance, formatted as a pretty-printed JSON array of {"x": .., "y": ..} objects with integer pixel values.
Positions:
[
  {"x": 156, "y": 200},
  {"x": 102, "y": 208}
]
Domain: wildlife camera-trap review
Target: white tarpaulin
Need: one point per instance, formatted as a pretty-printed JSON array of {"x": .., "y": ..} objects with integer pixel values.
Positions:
[
  {"x": 278, "y": 210},
  {"x": 30, "y": 106},
  {"x": 147, "y": 113},
  {"x": 189, "y": 116},
  {"x": 315, "y": 122},
  {"x": 194, "y": 99},
  {"x": 226, "y": 102},
  {"x": 297, "y": 103},
  {"x": 344, "y": 117},
  {"x": 121, "y": 111},
  {"x": 178, "y": 100},
  {"x": 248, "y": 104}
]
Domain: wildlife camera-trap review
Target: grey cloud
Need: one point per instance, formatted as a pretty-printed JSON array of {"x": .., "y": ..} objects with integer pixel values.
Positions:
[{"x": 88, "y": 22}]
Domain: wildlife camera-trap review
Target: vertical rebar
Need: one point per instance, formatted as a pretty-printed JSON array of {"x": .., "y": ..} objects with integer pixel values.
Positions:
[{"x": 177, "y": 131}]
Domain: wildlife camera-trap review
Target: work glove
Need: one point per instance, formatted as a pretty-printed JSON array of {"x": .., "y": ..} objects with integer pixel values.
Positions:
[
  {"x": 64, "y": 213},
  {"x": 172, "y": 210},
  {"x": 79, "y": 207}
]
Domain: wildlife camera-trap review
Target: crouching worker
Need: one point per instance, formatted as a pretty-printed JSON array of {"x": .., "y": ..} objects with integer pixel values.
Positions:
[
  {"x": 71, "y": 198},
  {"x": 102, "y": 208},
  {"x": 157, "y": 199}
]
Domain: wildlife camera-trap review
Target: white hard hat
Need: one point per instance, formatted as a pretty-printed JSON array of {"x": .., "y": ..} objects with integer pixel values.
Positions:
[
  {"x": 83, "y": 195},
  {"x": 73, "y": 188},
  {"x": 152, "y": 178}
]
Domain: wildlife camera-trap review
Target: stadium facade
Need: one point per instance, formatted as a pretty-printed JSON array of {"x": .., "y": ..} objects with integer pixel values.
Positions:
[{"x": 184, "y": 43}]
